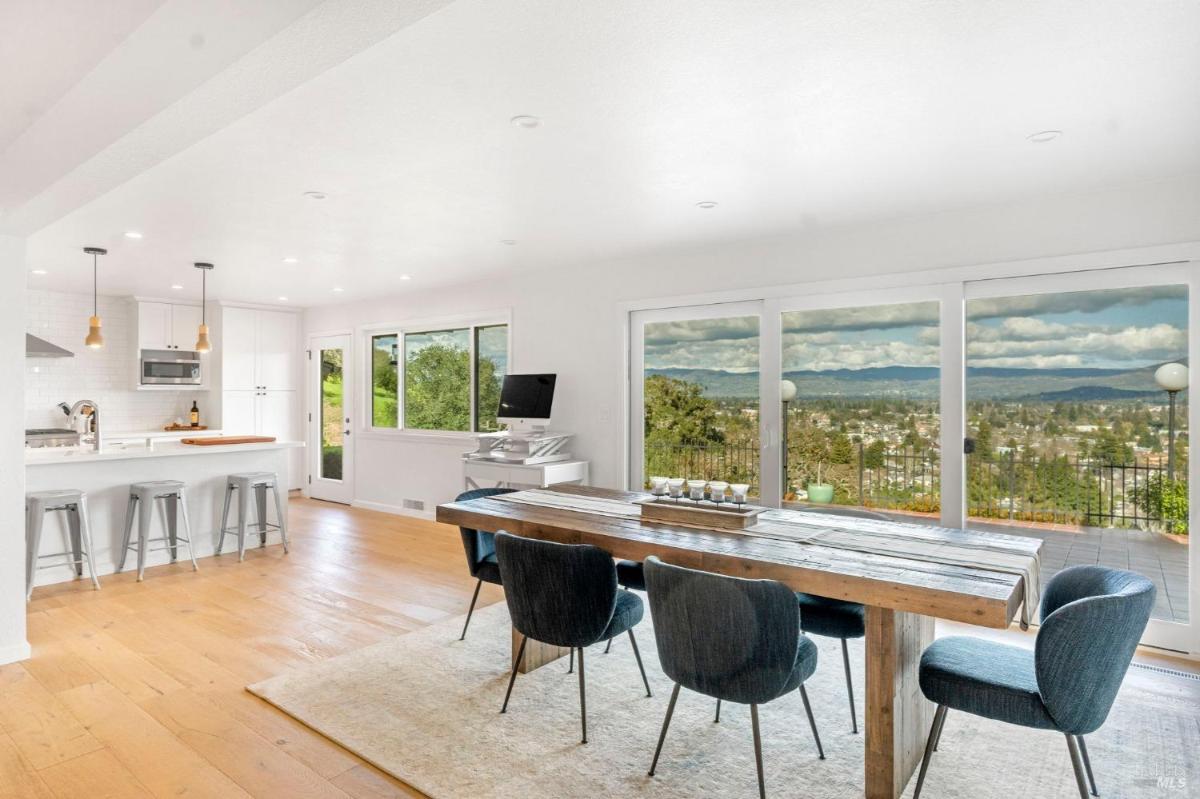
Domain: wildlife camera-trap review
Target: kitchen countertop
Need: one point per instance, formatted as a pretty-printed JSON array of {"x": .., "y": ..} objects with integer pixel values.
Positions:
[
  {"x": 42, "y": 456},
  {"x": 129, "y": 435}
]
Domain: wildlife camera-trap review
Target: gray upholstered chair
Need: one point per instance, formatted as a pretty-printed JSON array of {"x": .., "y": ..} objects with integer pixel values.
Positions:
[
  {"x": 730, "y": 639},
  {"x": 565, "y": 595},
  {"x": 1092, "y": 619},
  {"x": 481, "y": 551},
  {"x": 835, "y": 618}
]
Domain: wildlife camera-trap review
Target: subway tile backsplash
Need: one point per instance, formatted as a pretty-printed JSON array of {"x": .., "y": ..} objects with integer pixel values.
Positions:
[{"x": 106, "y": 375}]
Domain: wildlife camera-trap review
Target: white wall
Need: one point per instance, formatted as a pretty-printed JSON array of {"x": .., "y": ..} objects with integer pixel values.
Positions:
[
  {"x": 566, "y": 320},
  {"x": 106, "y": 375},
  {"x": 12, "y": 457}
]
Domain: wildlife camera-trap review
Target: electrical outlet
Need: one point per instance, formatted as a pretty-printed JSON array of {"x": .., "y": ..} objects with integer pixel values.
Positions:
[{"x": 414, "y": 504}]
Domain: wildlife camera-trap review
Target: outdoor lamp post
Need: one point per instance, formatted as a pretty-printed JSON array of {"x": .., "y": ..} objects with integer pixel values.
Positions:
[
  {"x": 1171, "y": 378},
  {"x": 787, "y": 393}
]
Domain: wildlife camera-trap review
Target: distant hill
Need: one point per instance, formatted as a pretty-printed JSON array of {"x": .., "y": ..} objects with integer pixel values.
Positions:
[{"x": 921, "y": 382}]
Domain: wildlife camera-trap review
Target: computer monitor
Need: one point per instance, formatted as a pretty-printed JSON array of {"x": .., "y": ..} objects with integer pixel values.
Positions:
[{"x": 525, "y": 401}]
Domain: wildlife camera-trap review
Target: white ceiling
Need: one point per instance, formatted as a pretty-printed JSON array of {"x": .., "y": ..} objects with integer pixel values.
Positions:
[{"x": 789, "y": 114}]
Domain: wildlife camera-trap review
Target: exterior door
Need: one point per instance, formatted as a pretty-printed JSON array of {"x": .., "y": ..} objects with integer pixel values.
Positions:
[
  {"x": 332, "y": 402},
  {"x": 1077, "y": 435}
]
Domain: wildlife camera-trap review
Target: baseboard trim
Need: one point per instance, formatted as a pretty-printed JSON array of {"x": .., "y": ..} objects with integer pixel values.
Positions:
[
  {"x": 395, "y": 510},
  {"x": 14, "y": 652}
]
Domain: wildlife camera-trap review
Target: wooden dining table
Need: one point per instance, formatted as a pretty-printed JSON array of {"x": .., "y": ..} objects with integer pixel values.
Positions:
[{"x": 902, "y": 595}]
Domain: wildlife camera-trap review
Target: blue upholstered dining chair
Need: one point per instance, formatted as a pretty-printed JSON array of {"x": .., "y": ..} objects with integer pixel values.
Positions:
[
  {"x": 481, "y": 551},
  {"x": 1092, "y": 619},
  {"x": 565, "y": 595},
  {"x": 835, "y": 618},
  {"x": 730, "y": 639},
  {"x": 630, "y": 576}
]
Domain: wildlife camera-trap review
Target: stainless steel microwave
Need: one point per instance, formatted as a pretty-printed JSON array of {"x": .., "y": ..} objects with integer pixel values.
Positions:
[{"x": 170, "y": 368}]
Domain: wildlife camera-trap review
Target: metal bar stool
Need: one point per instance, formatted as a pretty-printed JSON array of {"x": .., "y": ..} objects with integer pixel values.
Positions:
[
  {"x": 258, "y": 483},
  {"x": 74, "y": 503},
  {"x": 172, "y": 504}
]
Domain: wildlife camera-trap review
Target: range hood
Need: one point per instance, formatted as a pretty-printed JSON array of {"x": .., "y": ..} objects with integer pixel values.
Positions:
[{"x": 40, "y": 348}]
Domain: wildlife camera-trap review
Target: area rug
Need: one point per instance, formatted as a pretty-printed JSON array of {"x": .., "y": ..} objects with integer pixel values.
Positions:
[{"x": 424, "y": 708}]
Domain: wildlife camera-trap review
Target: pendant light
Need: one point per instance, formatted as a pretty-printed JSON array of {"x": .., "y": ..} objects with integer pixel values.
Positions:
[
  {"x": 94, "y": 340},
  {"x": 202, "y": 342}
]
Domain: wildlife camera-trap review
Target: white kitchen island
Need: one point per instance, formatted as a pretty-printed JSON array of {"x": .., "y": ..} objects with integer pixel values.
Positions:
[{"x": 106, "y": 477}]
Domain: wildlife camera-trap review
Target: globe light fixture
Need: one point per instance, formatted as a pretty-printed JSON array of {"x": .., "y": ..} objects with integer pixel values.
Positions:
[{"x": 1171, "y": 378}]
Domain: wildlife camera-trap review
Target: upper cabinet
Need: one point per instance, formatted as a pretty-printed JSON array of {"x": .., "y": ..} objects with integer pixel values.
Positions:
[
  {"x": 167, "y": 326},
  {"x": 259, "y": 350}
]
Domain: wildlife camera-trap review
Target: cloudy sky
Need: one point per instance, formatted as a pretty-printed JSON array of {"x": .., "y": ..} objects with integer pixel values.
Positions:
[{"x": 1123, "y": 328}]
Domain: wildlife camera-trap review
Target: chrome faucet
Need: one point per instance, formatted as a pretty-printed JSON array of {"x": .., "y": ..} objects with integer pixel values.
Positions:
[{"x": 74, "y": 414}]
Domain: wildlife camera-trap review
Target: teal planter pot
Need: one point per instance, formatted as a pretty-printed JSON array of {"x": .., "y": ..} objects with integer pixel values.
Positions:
[{"x": 820, "y": 493}]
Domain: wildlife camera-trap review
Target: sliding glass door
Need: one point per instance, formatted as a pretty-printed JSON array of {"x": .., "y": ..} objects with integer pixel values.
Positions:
[
  {"x": 1069, "y": 395},
  {"x": 694, "y": 391}
]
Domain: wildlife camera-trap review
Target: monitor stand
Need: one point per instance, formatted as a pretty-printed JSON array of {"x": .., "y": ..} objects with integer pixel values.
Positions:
[{"x": 522, "y": 443}]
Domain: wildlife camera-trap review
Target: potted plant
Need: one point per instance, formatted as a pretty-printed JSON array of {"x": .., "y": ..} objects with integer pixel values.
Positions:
[{"x": 818, "y": 492}]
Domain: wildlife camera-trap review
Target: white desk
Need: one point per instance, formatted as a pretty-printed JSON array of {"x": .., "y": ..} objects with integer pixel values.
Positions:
[{"x": 508, "y": 475}]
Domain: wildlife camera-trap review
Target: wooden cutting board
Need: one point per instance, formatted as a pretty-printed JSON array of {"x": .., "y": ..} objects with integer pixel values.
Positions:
[{"x": 213, "y": 441}]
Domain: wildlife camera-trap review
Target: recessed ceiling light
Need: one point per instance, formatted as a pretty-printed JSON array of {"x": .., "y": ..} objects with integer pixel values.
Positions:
[
  {"x": 1043, "y": 136},
  {"x": 337, "y": 289},
  {"x": 509, "y": 242},
  {"x": 291, "y": 259},
  {"x": 315, "y": 195},
  {"x": 132, "y": 234},
  {"x": 525, "y": 121},
  {"x": 706, "y": 204},
  {"x": 406, "y": 277},
  {"x": 37, "y": 271},
  {"x": 176, "y": 287},
  {"x": 283, "y": 299}
]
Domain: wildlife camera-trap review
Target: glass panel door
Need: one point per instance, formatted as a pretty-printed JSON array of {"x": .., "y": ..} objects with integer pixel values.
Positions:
[
  {"x": 333, "y": 455},
  {"x": 1078, "y": 422},
  {"x": 695, "y": 394},
  {"x": 860, "y": 396}
]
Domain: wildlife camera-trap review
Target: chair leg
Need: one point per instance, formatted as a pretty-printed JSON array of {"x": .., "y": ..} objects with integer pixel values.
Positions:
[
  {"x": 85, "y": 528},
  {"x": 130, "y": 509},
  {"x": 260, "y": 509},
  {"x": 516, "y": 667},
  {"x": 1077, "y": 766},
  {"x": 638, "y": 655},
  {"x": 281, "y": 517},
  {"x": 224, "y": 518},
  {"x": 849, "y": 687},
  {"x": 582, "y": 697},
  {"x": 608, "y": 646},
  {"x": 717, "y": 718},
  {"x": 571, "y": 668},
  {"x": 762, "y": 786},
  {"x": 181, "y": 506},
  {"x": 145, "y": 513},
  {"x": 935, "y": 729},
  {"x": 1087, "y": 765},
  {"x": 662, "y": 736},
  {"x": 243, "y": 512},
  {"x": 33, "y": 542},
  {"x": 170, "y": 516},
  {"x": 471, "y": 610},
  {"x": 76, "y": 539},
  {"x": 812, "y": 722}
]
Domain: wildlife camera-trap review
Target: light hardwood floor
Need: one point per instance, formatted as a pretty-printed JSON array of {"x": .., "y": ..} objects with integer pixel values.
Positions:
[{"x": 138, "y": 689}]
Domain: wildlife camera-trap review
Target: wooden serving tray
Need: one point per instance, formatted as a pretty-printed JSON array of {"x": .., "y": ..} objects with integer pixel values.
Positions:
[
  {"x": 213, "y": 441},
  {"x": 725, "y": 516},
  {"x": 179, "y": 428}
]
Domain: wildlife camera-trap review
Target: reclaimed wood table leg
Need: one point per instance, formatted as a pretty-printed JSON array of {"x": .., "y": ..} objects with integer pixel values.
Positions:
[
  {"x": 537, "y": 654},
  {"x": 897, "y": 715}
]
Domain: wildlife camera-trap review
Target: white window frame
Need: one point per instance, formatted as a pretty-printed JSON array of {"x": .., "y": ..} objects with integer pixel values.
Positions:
[{"x": 469, "y": 322}]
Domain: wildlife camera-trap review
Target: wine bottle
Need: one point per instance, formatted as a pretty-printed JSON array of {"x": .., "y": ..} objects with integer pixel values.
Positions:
[{"x": 194, "y": 415}]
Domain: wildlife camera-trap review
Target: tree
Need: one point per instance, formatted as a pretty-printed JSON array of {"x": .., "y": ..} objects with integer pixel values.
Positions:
[
  {"x": 841, "y": 450},
  {"x": 437, "y": 389},
  {"x": 678, "y": 413}
]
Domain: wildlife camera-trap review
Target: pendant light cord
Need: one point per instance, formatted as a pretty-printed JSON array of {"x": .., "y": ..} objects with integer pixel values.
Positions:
[
  {"x": 203, "y": 296},
  {"x": 95, "y": 288}
]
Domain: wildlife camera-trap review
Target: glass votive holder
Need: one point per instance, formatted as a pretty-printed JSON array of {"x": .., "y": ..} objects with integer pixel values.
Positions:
[
  {"x": 739, "y": 492},
  {"x": 658, "y": 486},
  {"x": 716, "y": 491},
  {"x": 696, "y": 489},
  {"x": 675, "y": 487}
]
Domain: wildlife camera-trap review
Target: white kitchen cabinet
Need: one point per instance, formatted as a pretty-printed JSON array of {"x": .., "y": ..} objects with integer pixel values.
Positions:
[
  {"x": 259, "y": 350},
  {"x": 266, "y": 413},
  {"x": 167, "y": 326}
]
